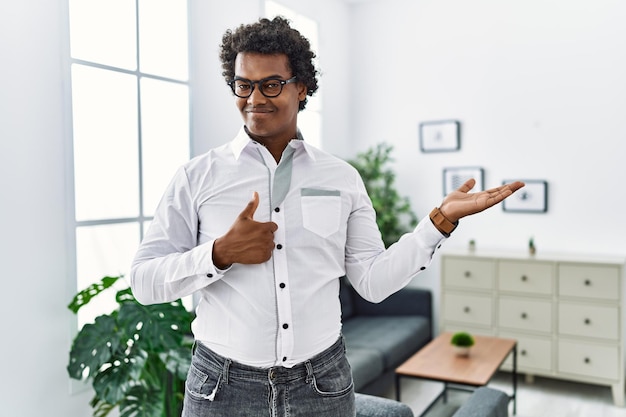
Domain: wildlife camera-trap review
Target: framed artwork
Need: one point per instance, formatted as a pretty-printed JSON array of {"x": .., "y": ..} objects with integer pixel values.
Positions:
[
  {"x": 440, "y": 136},
  {"x": 453, "y": 178},
  {"x": 533, "y": 198}
]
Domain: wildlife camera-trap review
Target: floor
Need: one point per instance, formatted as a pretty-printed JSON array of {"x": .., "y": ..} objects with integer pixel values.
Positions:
[{"x": 544, "y": 397}]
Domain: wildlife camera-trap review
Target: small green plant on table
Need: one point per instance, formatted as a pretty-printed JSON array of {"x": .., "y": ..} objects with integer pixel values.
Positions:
[{"x": 462, "y": 341}]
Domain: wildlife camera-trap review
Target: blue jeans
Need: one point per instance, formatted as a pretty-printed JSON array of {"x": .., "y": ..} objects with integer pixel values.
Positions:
[{"x": 219, "y": 387}]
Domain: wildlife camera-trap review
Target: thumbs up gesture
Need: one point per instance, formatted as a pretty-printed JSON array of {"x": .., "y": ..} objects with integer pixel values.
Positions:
[{"x": 247, "y": 241}]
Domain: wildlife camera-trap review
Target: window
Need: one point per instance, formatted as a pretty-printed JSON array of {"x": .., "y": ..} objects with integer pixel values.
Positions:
[
  {"x": 310, "y": 119},
  {"x": 130, "y": 125}
]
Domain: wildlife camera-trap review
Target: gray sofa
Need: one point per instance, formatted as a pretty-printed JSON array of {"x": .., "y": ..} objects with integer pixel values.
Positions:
[
  {"x": 372, "y": 406},
  {"x": 484, "y": 402},
  {"x": 379, "y": 337}
]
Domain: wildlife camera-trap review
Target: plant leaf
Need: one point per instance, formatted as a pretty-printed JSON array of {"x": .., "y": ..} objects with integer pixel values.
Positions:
[
  {"x": 113, "y": 383},
  {"x": 125, "y": 295},
  {"x": 177, "y": 361},
  {"x": 141, "y": 402},
  {"x": 84, "y": 297},
  {"x": 101, "y": 408},
  {"x": 158, "y": 327},
  {"x": 394, "y": 216},
  {"x": 93, "y": 346}
]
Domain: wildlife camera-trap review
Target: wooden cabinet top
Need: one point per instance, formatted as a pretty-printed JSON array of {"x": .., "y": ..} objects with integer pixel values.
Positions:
[{"x": 540, "y": 256}]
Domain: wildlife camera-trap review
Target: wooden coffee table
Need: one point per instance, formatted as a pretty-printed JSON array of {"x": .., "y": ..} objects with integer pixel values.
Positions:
[{"x": 437, "y": 361}]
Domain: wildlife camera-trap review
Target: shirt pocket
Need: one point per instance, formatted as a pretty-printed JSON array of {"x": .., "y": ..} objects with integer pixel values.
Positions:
[{"x": 321, "y": 210}]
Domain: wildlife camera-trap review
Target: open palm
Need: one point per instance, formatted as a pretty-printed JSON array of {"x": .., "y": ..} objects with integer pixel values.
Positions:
[{"x": 461, "y": 202}]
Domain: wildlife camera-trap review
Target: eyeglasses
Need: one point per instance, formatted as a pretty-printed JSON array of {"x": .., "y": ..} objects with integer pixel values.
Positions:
[{"x": 269, "y": 87}]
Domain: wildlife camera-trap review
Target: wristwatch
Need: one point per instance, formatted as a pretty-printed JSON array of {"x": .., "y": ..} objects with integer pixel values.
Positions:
[{"x": 440, "y": 221}]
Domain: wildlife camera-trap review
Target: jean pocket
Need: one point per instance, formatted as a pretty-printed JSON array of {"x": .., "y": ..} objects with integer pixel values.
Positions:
[
  {"x": 200, "y": 385},
  {"x": 321, "y": 211},
  {"x": 335, "y": 381}
]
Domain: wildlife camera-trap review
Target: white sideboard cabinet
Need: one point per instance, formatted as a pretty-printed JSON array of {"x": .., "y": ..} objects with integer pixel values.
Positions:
[{"x": 567, "y": 311}]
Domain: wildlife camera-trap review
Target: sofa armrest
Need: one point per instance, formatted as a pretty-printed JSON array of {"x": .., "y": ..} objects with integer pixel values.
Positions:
[
  {"x": 485, "y": 402},
  {"x": 409, "y": 301},
  {"x": 371, "y": 406}
]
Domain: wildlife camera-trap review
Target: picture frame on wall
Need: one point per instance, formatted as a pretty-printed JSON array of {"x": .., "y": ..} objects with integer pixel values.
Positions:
[
  {"x": 532, "y": 198},
  {"x": 440, "y": 136},
  {"x": 454, "y": 177}
]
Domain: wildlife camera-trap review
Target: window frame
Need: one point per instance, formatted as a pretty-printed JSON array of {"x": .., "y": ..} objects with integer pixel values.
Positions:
[{"x": 72, "y": 224}]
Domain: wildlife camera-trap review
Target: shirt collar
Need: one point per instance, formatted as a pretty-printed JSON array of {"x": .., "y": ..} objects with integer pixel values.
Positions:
[{"x": 242, "y": 140}]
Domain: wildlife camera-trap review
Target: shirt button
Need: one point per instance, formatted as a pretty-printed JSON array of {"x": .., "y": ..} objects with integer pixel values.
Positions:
[
  {"x": 422, "y": 268},
  {"x": 209, "y": 275},
  {"x": 282, "y": 285},
  {"x": 284, "y": 358},
  {"x": 285, "y": 326},
  {"x": 279, "y": 246},
  {"x": 277, "y": 209}
]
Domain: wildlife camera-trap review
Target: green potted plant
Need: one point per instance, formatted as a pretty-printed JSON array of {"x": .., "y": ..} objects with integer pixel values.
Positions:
[
  {"x": 393, "y": 212},
  {"x": 135, "y": 357},
  {"x": 462, "y": 341}
]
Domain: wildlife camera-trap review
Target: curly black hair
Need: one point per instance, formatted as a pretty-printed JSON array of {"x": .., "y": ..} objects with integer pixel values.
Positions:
[{"x": 274, "y": 36}]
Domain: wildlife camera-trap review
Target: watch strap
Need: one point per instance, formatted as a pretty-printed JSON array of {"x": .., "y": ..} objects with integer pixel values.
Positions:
[{"x": 440, "y": 221}]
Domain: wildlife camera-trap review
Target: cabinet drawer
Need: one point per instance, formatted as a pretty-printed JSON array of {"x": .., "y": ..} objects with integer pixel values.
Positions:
[
  {"x": 532, "y": 352},
  {"x": 470, "y": 309},
  {"x": 599, "y": 361},
  {"x": 589, "y": 281},
  {"x": 587, "y": 320},
  {"x": 468, "y": 273},
  {"x": 525, "y": 314},
  {"x": 526, "y": 277}
]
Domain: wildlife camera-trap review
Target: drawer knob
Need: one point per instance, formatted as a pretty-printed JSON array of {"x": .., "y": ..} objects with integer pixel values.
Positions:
[
  {"x": 466, "y": 309},
  {"x": 523, "y": 352},
  {"x": 468, "y": 274},
  {"x": 524, "y": 316},
  {"x": 524, "y": 278},
  {"x": 587, "y": 282},
  {"x": 587, "y": 360},
  {"x": 587, "y": 321}
]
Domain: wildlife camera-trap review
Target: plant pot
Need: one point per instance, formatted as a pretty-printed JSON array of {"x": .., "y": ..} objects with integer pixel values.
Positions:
[{"x": 462, "y": 350}]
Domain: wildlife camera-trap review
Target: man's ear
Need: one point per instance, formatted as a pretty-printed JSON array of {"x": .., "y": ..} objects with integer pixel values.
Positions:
[{"x": 301, "y": 91}]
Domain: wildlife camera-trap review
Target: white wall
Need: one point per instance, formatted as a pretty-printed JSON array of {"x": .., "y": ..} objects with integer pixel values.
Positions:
[
  {"x": 35, "y": 286},
  {"x": 539, "y": 90}
]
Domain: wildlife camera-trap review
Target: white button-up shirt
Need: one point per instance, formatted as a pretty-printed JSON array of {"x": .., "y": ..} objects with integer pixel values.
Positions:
[{"x": 286, "y": 310}]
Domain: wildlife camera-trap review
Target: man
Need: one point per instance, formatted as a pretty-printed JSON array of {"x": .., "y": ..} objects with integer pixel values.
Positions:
[{"x": 261, "y": 229}]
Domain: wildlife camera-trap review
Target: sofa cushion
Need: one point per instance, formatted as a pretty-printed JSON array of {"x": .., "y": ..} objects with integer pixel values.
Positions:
[
  {"x": 366, "y": 364},
  {"x": 485, "y": 402},
  {"x": 394, "y": 337}
]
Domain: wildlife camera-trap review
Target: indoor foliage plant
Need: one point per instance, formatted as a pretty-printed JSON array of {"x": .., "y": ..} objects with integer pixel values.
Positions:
[
  {"x": 462, "y": 341},
  {"x": 393, "y": 212},
  {"x": 136, "y": 357}
]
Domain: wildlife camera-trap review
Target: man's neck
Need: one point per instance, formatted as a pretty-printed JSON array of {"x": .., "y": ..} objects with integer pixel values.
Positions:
[{"x": 275, "y": 146}]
